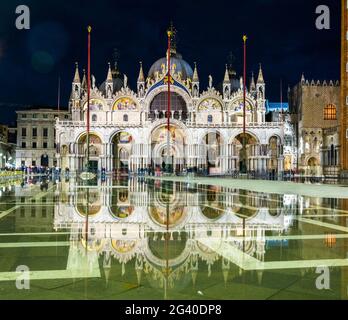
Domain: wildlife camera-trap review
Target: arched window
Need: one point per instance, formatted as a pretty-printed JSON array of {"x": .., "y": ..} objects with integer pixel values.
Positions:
[
  {"x": 160, "y": 104},
  {"x": 125, "y": 118},
  {"x": 330, "y": 112},
  {"x": 210, "y": 119},
  {"x": 94, "y": 118}
]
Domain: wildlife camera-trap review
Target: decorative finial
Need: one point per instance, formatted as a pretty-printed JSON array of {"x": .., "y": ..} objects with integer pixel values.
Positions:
[
  {"x": 195, "y": 77},
  {"x": 227, "y": 76},
  {"x": 109, "y": 76},
  {"x": 141, "y": 77},
  {"x": 260, "y": 78},
  {"x": 89, "y": 29},
  {"x": 171, "y": 33},
  {"x": 77, "y": 74},
  {"x": 245, "y": 38}
]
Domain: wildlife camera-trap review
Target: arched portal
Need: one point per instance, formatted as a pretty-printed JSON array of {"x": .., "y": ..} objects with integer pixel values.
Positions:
[
  {"x": 212, "y": 146},
  {"x": 95, "y": 151},
  {"x": 122, "y": 144},
  {"x": 246, "y": 151},
  {"x": 174, "y": 160},
  {"x": 274, "y": 153}
]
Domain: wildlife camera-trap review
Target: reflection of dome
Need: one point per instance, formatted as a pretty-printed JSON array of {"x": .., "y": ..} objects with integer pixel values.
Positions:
[
  {"x": 169, "y": 251},
  {"x": 159, "y": 215},
  {"x": 122, "y": 212},
  {"x": 177, "y": 60},
  {"x": 93, "y": 245},
  {"x": 94, "y": 205},
  {"x": 123, "y": 246},
  {"x": 93, "y": 209},
  {"x": 212, "y": 213}
]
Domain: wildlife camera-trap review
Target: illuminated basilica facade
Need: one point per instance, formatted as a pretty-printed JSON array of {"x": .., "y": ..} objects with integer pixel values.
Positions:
[{"x": 128, "y": 129}]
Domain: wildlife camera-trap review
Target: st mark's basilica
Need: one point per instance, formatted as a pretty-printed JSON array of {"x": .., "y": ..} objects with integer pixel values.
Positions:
[{"x": 129, "y": 129}]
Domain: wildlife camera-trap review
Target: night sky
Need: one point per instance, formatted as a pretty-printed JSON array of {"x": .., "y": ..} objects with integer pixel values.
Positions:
[{"x": 282, "y": 36}]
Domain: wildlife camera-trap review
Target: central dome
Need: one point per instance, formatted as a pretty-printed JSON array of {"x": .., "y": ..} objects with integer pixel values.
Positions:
[{"x": 180, "y": 66}]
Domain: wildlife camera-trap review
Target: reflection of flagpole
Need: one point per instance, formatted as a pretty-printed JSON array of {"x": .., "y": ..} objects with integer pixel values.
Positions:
[
  {"x": 169, "y": 33},
  {"x": 88, "y": 93}
]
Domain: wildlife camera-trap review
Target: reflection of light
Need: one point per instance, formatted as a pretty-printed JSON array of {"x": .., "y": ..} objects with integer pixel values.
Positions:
[{"x": 330, "y": 240}]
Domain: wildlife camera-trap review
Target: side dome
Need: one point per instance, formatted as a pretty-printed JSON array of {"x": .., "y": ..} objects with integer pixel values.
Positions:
[{"x": 177, "y": 61}]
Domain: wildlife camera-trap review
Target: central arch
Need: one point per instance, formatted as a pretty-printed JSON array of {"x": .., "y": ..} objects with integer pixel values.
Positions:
[
  {"x": 159, "y": 148},
  {"x": 122, "y": 145},
  {"x": 95, "y": 151},
  {"x": 245, "y": 147},
  {"x": 212, "y": 144}
]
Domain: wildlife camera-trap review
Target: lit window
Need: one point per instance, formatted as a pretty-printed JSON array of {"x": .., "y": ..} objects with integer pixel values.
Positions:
[{"x": 330, "y": 112}]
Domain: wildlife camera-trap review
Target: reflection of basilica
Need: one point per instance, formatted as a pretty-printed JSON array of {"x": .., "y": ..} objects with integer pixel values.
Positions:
[
  {"x": 128, "y": 128},
  {"x": 128, "y": 225}
]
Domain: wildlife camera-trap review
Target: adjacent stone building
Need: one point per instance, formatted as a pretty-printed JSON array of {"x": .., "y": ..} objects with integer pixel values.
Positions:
[
  {"x": 36, "y": 137},
  {"x": 314, "y": 107}
]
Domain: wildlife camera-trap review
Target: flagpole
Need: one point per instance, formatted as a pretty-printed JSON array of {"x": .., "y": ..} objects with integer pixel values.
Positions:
[
  {"x": 169, "y": 33},
  {"x": 88, "y": 129},
  {"x": 58, "y": 102},
  {"x": 244, "y": 166},
  {"x": 244, "y": 87},
  {"x": 88, "y": 94},
  {"x": 281, "y": 99}
]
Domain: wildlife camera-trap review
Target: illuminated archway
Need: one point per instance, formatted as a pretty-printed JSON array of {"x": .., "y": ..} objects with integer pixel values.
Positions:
[{"x": 122, "y": 144}]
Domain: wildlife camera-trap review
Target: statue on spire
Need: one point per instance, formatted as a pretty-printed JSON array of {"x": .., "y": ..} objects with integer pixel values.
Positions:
[{"x": 172, "y": 31}]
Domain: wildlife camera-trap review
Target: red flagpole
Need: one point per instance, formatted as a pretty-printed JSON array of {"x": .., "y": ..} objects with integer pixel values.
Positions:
[
  {"x": 281, "y": 99},
  {"x": 88, "y": 91},
  {"x": 244, "y": 87}
]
